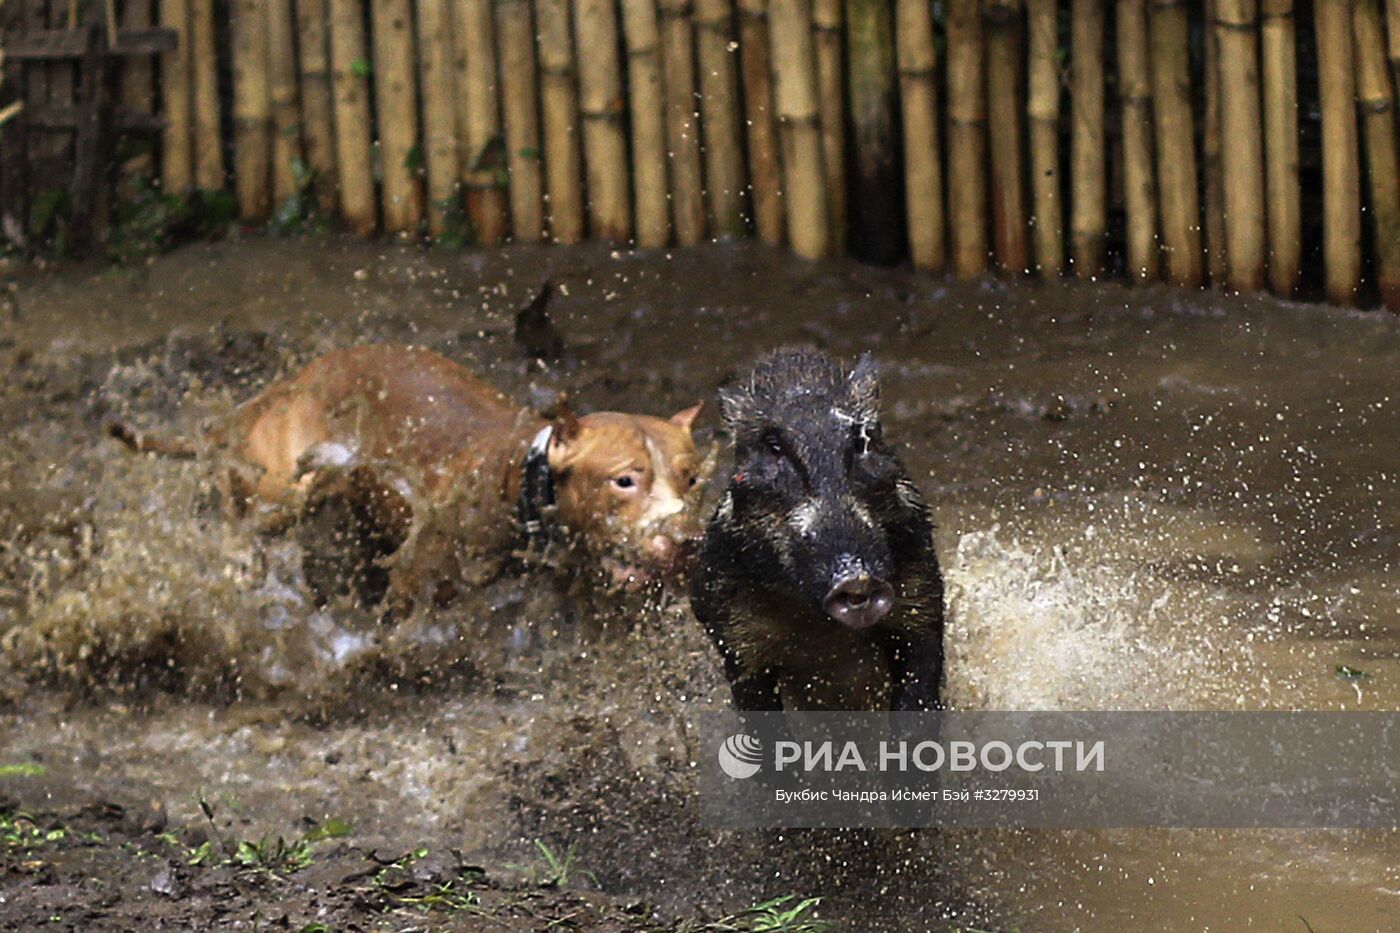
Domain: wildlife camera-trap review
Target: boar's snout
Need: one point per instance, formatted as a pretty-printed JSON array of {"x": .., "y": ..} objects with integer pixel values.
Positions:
[{"x": 858, "y": 600}]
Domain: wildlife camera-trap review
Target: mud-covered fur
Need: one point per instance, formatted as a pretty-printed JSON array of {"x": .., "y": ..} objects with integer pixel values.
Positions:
[{"x": 817, "y": 579}]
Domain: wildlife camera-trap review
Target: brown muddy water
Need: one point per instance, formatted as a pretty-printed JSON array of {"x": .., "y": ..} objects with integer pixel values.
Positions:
[{"x": 1146, "y": 499}]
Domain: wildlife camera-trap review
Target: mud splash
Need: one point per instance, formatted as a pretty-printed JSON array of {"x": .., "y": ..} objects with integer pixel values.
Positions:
[{"x": 1146, "y": 499}]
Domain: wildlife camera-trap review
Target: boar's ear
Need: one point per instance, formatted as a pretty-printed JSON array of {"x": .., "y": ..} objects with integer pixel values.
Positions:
[
  {"x": 864, "y": 386},
  {"x": 685, "y": 418},
  {"x": 733, "y": 406}
]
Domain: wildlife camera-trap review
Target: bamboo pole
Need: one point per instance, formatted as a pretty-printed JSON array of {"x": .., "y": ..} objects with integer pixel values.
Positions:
[
  {"x": 1341, "y": 200},
  {"x": 831, "y": 103},
  {"x": 396, "y": 115},
  {"x": 647, "y": 99},
  {"x": 60, "y": 144},
  {"x": 176, "y": 149},
  {"x": 967, "y": 118},
  {"x": 604, "y": 112},
  {"x": 923, "y": 173},
  {"x": 439, "y": 112},
  {"x": 210, "y": 172},
  {"x": 1216, "y": 260},
  {"x": 350, "y": 82},
  {"x": 1043, "y": 114},
  {"x": 1088, "y": 215},
  {"x": 286, "y": 109},
  {"x": 563, "y": 155},
  {"x": 682, "y": 130},
  {"x": 874, "y": 209},
  {"x": 1236, "y": 30},
  {"x": 765, "y": 167},
  {"x": 483, "y": 157},
  {"x": 1377, "y": 105},
  {"x": 1139, "y": 183},
  {"x": 1176, "y": 147},
  {"x": 138, "y": 89},
  {"x": 1280, "y": 74},
  {"x": 799, "y": 128},
  {"x": 1393, "y": 29},
  {"x": 1003, "y": 26},
  {"x": 318, "y": 130},
  {"x": 252, "y": 110},
  {"x": 719, "y": 115},
  {"x": 515, "y": 36}
]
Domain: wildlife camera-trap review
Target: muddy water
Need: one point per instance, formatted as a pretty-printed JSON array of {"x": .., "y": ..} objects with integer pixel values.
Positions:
[{"x": 1145, "y": 499}]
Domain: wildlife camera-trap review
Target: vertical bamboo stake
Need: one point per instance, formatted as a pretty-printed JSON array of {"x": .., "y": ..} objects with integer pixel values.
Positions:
[
  {"x": 317, "y": 128},
  {"x": 1281, "y": 144},
  {"x": 719, "y": 115},
  {"x": 563, "y": 157},
  {"x": 799, "y": 127},
  {"x": 1392, "y": 17},
  {"x": 1176, "y": 147},
  {"x": 210, "y": 173},
  {"x": 350, "y": 81},
  {"x": 439, "y": 112},
  {"x": 875, "y": 214},
  {"x": 967, "y": 118},
  {"x": 1043, "y": 113},
  {"x": 765, "y": 168},
  {"x": 62, "y": 74},
  {"x": 923, "y": 173},
  {"x": 176, "y": 152},
  {"x": 396, "y": 112},
  {"x": 252, "y": 109},
  {"x": 1216, "y": 260},
  {"x": 1135, "y": 92},
  {"x": 138, "y": 81},
  {"x": 831, "y": 102},
  {"x": 483, "y": 157},
  {"x": 515, "y": 35},
  {"x": 1088, "y": 218},
  {"x": 1377, "y": 105},
  {"x": 682, "y": 128},
  {"x": 286, "y": 111},
  {"x": 648, "y": 117},
  {"x": 1003, "y": 24},
  {"x": 604, "y": 111},
  {"x": 1341, "y": 199},
  {"x": 1236, "y": 31}
]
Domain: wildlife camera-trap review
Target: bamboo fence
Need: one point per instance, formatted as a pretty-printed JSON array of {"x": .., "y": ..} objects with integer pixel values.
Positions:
[{"x": 1148, "y": 139}]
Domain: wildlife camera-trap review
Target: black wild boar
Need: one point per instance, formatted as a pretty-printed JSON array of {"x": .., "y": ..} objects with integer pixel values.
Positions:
[{"x": 818, "y": 579}]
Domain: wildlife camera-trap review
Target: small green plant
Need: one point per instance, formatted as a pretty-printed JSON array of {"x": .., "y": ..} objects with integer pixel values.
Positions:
[
  {"x": 23, "y": 769},
  {"x": 20, "y": 830},
  {"x": 274, "y": 854},
  {"x": 557, "y": 868},
  {"x": 786, "y": 914}
]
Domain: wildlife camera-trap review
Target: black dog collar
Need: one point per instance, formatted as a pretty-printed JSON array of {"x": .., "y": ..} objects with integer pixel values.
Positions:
[{"x": 536, "y": 485}]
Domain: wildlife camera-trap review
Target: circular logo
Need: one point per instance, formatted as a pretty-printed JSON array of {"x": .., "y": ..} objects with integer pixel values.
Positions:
[{"x": 740, "y": 756}]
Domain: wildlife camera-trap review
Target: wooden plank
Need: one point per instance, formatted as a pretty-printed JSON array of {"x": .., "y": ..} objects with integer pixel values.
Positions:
[
  {"x": 57, "y": 44},
  {"x": 68, "y": 117}
]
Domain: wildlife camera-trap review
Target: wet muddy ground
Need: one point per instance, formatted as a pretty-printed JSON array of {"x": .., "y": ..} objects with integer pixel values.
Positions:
[{"x": 1146, "y": 499}]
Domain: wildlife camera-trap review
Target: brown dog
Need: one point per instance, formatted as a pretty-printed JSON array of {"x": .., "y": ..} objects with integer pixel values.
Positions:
[{"x": 429, "y": 464}]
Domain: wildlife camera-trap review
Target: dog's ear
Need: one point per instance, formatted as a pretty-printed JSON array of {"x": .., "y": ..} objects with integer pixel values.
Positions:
[
  {"x": 685, "y": 418},
  {"x": 566, "y": 424}
]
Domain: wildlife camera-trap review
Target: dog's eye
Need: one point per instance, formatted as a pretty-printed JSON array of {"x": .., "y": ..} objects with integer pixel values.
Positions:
[
  {"x": 773, "y": 445},
  {"x": 624, "y": 481}
]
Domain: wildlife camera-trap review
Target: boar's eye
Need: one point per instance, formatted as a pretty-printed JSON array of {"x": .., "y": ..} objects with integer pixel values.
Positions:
[{"x": 774, "y": 445}]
